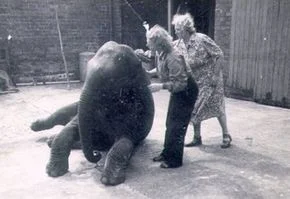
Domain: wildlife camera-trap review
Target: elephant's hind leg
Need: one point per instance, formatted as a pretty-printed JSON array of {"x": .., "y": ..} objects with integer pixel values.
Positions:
[
  {"x": 117, "y": 162},
  {"x": 60, "y": 149},
  {"x": 61, "y": 116}
]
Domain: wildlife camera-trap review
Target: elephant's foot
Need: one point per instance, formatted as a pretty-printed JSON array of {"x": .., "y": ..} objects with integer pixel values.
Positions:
[
  {"x": 57, "y": 168},
  {"x": 117, "y": 162},
  {"x": 39, "y": 125},
  {"x": 113, "y": 180}
]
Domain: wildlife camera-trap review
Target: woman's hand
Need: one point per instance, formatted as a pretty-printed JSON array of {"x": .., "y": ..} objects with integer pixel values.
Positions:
[
  {"x": 155, "y": 87},
  {"x": 152, "y": 72},
  {"x": 139, "y": 51}
]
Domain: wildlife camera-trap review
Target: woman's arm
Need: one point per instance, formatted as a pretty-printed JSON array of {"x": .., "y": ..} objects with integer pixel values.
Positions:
[
  {"x": 152, "y": 72},
  {"x": 177, "y": 80},
  {"x": 144, "y": 56},
  {"x": 212, "y": 48},
  {"x": 177, "y": 74},
  {"x": 216, "y": 56}
]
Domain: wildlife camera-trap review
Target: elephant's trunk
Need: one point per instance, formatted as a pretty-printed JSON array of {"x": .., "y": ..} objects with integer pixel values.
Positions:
[{"x": 87, "y": 125}]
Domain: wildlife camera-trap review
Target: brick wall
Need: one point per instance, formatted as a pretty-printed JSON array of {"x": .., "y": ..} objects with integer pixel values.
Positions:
[
  {"x": 85, "y": 26},
  {"x": 35, "y": 48},
  {"x": 222, "y": 32}
]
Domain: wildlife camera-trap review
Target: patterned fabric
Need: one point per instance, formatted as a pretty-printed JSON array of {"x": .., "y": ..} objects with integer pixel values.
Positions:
[
  {"x": 201, "y": 54},
  {"x": 171, "y": 69}
]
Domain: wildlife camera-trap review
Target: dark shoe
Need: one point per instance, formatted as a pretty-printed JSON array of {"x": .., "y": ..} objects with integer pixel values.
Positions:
[
  {"x": 227, "y": 139},
  {"x": 159, "y": 158},
  {"x": 166, "y": 165},
  {"x": 195, "y": 142}
]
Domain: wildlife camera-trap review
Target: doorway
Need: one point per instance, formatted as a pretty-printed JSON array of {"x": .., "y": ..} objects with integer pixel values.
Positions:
[
  {"x": 156, "y": 12},
  {"x": 134, "y": 13},
  {"x": 203, "y": 12}
]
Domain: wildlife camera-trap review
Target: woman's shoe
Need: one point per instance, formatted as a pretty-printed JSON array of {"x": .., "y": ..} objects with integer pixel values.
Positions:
[
  {"x": 195, "y": 142},
  {"x": 227, "y": 139},
  {"x": 166, "y": 165},
  {"x": 159, "y": 158}
]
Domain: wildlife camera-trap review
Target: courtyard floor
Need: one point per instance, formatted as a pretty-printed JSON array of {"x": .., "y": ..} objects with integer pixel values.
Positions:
[{"x": 256, "y": 166}]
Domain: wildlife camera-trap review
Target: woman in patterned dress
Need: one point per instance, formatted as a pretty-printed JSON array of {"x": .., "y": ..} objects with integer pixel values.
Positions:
[{"x": 203, "y": 55}]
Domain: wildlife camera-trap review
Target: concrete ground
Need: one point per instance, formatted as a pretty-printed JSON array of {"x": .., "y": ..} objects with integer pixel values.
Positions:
[{"x": 256, "y": 166}]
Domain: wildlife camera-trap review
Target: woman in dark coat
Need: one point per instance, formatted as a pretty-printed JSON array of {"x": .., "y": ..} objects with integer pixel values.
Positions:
[{"x": 175, "y": 77}]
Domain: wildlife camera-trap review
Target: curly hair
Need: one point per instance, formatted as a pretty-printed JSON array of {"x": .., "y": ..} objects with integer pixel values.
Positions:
[
  {"x": 160, "y": 38},
  {"x": 184, "y": 20}
]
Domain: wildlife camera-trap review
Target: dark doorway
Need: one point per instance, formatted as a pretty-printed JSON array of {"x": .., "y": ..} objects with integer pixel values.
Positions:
[
  {"x": 134, "y": 13},
  {"x": 202, "y": 11}
]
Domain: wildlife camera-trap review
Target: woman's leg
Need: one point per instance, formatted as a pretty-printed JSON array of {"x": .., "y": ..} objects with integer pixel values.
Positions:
[
  {"x": 180, "y": 108},
  {"x": 162, "y": 156},
  {"x": 226, "y": 136},
  {"x": 223, "y": 122},
  {"x": 196, "y": 141}
]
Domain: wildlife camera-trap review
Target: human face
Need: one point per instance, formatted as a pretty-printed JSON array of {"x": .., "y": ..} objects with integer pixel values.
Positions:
[
  {"x": 179, "y": 31},
  {"x": 151, "y": 45}
]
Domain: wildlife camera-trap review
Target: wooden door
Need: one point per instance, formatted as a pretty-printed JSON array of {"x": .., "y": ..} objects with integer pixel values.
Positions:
[{"x": 259, "y": 60}]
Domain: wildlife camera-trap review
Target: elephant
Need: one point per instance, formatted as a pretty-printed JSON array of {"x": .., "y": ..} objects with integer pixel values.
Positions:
[{"x": 114, "y": 114}]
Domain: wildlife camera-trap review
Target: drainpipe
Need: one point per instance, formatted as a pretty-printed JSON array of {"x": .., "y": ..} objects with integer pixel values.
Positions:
[
  {"x": 7, "y": 55},
  {"x": 169, "y": 15},
  {"x": 111, "y": 10}
]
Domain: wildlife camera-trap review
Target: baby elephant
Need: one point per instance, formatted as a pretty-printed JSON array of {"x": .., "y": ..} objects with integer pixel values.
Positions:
[{"x": 115, "y": 112}]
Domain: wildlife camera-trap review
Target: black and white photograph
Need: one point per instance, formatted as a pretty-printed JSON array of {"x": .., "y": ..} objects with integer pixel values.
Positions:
[{"x": 147, "y": 99}]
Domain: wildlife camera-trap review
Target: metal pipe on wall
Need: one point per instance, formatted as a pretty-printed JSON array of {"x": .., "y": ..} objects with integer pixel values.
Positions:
[
  {"x": 169, "y": 15},
  {"x": 111, "y": 10}
]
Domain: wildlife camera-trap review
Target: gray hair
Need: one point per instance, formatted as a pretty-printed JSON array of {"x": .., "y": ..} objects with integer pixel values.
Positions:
[
  {"x": 160, "y": 37},
  {"x": 184, "y": 20}
]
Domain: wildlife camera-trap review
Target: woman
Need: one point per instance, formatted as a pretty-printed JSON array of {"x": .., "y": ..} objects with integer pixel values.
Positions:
[
  {"x": 203, "y": 56},
  {"x": 176, "y": 79}
]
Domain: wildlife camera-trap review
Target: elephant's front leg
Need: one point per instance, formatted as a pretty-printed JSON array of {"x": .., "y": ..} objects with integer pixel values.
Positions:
[
  {"x": 61, "y": 116},
  {"x": 117, "y": 161},
  {"x": 76, "y": 144},
  {"x": 61, "y": 147}
]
